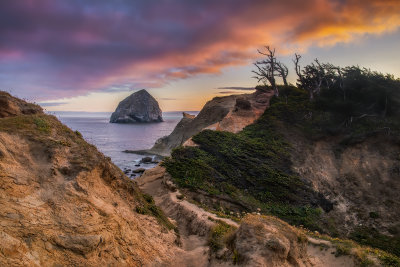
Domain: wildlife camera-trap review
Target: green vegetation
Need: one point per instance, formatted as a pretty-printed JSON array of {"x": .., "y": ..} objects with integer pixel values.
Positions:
[
  {"x": 253, "y": 167},
  {"x": 147, "y": 206},
  {"x": 363, "y": 254},
  {"x": 42, "y": 125},
  {"x": 78, "y": 133},
  {"x": 342, "y": 250},
  {"x": 219, "y": 235},
  {"x": 371, "y": 237}
]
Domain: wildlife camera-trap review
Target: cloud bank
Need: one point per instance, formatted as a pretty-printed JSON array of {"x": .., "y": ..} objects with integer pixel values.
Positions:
[{"x": 52, "y": 49}]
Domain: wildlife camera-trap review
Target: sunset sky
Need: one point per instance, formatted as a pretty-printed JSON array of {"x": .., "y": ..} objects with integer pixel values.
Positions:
[{"x": 88, "y": 55}]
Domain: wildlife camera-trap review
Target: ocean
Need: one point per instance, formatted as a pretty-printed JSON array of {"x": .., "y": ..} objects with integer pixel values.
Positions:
[{"x": 113, "y": 138}]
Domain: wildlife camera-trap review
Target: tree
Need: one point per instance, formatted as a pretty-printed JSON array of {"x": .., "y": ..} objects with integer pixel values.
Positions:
[
  {"x": 283, "y": 72},
  {"x": 267, "y": 69}
]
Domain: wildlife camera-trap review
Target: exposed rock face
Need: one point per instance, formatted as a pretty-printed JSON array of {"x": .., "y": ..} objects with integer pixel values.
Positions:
[
  {"x": 10, "y": 106},
  {"x": 360, "y": 179},
  {"x": 229, "y": 113},
  {"x": 138, "y": 107},
  {"x": 267, "y": 241},
  {"x": 63, "y": 203}
]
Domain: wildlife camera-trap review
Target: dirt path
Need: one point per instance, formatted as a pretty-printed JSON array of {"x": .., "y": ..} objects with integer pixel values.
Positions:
[{"x": 194, "y": 225}]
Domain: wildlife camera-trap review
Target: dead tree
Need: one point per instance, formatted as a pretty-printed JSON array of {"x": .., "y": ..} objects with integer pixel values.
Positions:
[
  {"x": 267, "y": 69},
  {"x": 297, "y": 67},
  {"x": 283, "y": 72},
  {"x": 304, "y": 81}
]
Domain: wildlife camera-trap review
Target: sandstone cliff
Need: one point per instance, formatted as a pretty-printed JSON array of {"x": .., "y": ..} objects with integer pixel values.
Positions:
[
  {"x": 229, "y": 113},
  {"x": 63, "y": 203},
  {"x": 138, "y": 107}
]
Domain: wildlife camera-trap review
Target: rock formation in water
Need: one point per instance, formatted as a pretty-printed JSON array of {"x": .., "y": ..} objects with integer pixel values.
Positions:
[
  {"x": 229, "y": 113},
  {"x": 138, "y": 107}
]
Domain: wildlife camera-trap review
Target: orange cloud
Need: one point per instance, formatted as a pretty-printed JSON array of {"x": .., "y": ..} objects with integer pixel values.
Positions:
[{"x": 68, "y": 50}]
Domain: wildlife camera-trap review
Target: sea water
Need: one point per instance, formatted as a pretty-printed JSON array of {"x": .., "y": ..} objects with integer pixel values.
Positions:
[{"x": 113, "y": 138}]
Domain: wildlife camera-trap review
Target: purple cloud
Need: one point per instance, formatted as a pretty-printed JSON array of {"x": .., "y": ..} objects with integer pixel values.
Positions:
[{"x": 52, "y": 48}]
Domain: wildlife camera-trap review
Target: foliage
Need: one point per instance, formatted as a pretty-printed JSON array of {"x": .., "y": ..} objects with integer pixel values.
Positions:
[
  {"x": 78, "y": 133},
  {"x": 252, "y": 167},
  {"x": 42, "y": 125},
  {"x": 371, "y": 237},
  {"x": 342, "y": 250},
  {"x": 219, "y": 234},
  {"x": 147, "y": 206}
]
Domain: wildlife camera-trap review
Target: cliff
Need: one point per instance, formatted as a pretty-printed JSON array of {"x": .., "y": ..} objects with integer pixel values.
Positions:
[
  {"x": 308, "y": 163},
  {"x": 226, "y": 238},
  {"x": 63, "y": 203},
  {"x": 229, "y": 113},
  {"x": 138, "y": 107}
]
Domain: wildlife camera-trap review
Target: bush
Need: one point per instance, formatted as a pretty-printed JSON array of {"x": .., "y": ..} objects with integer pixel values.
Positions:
[
  {"x": 42, "y": 125},
  {"x": 219, "y": 234}
]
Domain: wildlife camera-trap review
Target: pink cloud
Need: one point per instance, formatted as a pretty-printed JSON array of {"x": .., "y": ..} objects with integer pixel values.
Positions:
[{"x": 61, "y": 49}]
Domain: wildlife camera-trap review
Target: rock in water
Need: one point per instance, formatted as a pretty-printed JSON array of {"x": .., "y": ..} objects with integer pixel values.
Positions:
[{"x": 138, "y": 107}]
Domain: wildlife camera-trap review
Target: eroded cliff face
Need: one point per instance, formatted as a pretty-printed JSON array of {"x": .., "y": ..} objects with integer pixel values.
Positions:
[
  {"x": 361, "y": 179},
  {"x": 229, "y": 113},
  {"x": 63, "y": 203}
]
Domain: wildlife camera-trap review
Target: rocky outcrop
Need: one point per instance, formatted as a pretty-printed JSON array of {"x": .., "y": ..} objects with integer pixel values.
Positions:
[
  {"x": 267, "y": 241},
  {"x": 362, "y": 179},
  {"x": 63, "y": 203},
  {"x": 138, "y": 107},
  {"x": 10, "y": 106},
  {"x": 229, "y": 113}
]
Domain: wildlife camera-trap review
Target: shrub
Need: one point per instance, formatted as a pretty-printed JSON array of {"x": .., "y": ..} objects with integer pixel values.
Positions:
[
  {"x": 42, "y": 125},
  {"x": 219, "y": 234}
]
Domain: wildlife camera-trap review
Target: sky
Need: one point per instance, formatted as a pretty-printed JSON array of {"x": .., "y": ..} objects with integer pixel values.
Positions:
[{"x": 88, "y": 55}]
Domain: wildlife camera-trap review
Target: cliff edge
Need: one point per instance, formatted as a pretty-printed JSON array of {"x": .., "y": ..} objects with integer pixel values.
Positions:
[
  {"x": 229, "y": 113},
  {"x": 62, "y": 202}
]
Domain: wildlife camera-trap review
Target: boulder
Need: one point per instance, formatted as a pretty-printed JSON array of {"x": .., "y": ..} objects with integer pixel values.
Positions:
[
  {"x": 139, "y": 170},
  {"x": 138, "y": 107},
  {"x": 147, "y": 160},
  {"x": 242, "y": 103}
]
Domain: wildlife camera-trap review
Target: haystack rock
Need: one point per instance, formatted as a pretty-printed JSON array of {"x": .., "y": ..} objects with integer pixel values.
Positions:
[{"x": 138, "y": 107}]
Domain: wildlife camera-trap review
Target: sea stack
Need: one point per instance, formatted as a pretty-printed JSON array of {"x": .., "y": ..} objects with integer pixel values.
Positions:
[{"x": 138, "y": 107}]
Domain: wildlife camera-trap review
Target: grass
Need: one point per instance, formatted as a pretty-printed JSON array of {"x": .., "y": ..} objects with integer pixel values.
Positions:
[
  {"x": 252, "y": 167},
  {"x": 219, "y": 235},
  {"x": 371, "y": 237},
  {"x": 147, "y": 206},
  {"x": 363, "y": 254}
]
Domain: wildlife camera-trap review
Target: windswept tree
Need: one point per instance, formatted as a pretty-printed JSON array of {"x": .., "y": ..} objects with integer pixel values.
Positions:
[
  {"x": 316, "y": 76},
  {"x": 267, "y": 69},
  {"x": 283, "y": 72}
]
